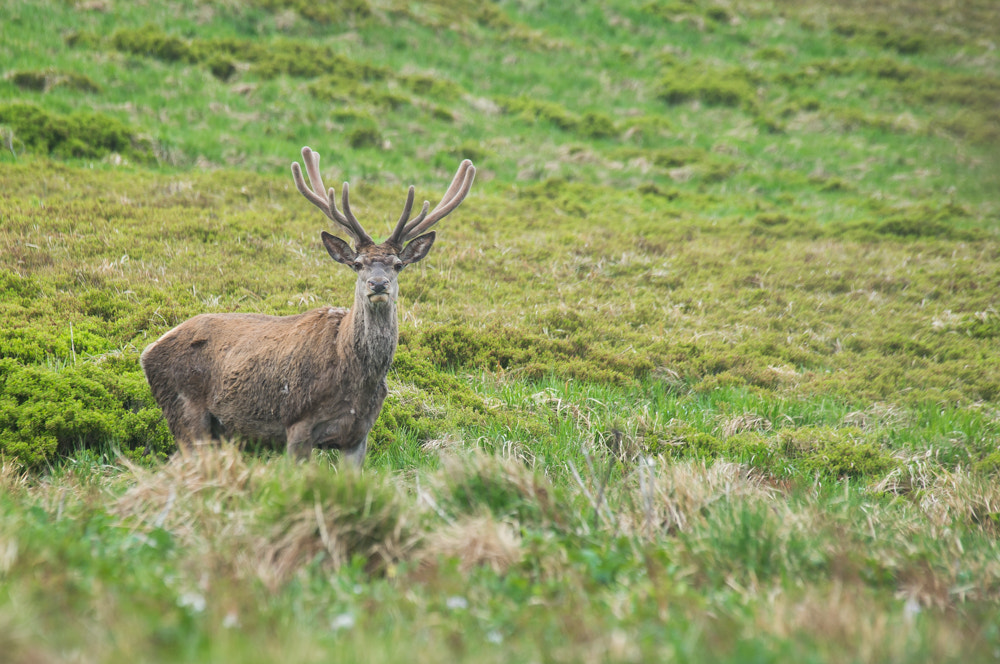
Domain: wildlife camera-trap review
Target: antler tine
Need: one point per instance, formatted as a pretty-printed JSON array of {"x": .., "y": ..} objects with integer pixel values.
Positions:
[
  {"x": 457, "y": 191},
  {"x": 397, "y": 233},
  {"x": 328, "y": 203},
  {"x": 407, "y": 207},
  {"x": 311, "y": 160},
  {"x": 353, "y": 224}
]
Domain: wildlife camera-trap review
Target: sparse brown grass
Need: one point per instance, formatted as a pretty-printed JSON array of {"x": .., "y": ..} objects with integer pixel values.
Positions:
[
  {"x": 474, "y": 541},
  {"x": 851, "y": 614},
  {"x": 198, "y": 489},
  {"x": 955, "y": 497},
  {"x": 662, "y": 498}
]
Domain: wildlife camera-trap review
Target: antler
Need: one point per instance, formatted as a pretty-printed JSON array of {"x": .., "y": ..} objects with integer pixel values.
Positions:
[
  {"x": 327, "y": 200},
  {"x": 457, "y": 191}
]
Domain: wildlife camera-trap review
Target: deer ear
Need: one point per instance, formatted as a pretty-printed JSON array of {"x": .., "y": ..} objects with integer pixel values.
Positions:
[
  {"x": 417, "y": 248},
  {"x": 339, "y": 250}
]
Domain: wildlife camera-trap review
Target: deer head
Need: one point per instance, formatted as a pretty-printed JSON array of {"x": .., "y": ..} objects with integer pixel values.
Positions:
[{"x": 378, "y": 265}]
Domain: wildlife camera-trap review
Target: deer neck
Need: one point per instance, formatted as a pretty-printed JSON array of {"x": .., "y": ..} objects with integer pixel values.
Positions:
[{"x": 369, "y": 335}]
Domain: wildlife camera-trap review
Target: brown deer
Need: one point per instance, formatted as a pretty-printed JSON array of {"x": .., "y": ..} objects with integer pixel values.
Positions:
[{"x": 312, "y": 380}]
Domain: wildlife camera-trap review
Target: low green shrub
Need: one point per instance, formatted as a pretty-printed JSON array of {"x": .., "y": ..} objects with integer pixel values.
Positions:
[
  {"x": 431, "y": 86},
  {"x": 733, "y": 87},
  {"x": 350, "y": 92},
  {"x": 282, "y": 57},
  {"x": 328, "y": 12},
  {"x": 365, "y": 135},
  {"x": 884, "y": 36},
  {"x": 75, "y": 135},
  {"x": 46, "y": 79},
  {"x": 834, "y": 453},
  {"x": 533, "y": 111},
  {"x": 400, "y": 415},
  {"x": 46, "y": 413},
  {"x": 150, "y": 41},
  {"x": 473, "y": 150}
]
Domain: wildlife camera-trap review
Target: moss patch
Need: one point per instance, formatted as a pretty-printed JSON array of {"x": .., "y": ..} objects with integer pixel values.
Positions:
[{"x": 74, "y": 135}]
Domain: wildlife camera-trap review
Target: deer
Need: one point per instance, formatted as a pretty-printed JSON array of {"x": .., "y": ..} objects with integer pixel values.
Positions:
[{"x": 314, "y": 380}]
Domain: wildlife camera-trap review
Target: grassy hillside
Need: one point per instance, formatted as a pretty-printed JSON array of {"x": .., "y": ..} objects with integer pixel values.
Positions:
[{"x": 705, "y": 368}]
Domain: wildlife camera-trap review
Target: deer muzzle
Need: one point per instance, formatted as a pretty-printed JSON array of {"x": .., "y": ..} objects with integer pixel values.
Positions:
[{"x": 378, "y": 289}]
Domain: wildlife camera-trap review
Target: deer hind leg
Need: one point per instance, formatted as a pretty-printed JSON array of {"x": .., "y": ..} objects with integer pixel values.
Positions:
[{"x": 189, "y": 422}]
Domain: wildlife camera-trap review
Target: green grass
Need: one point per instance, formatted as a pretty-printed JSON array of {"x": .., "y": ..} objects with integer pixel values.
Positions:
[{"x": 705, "y": 368}]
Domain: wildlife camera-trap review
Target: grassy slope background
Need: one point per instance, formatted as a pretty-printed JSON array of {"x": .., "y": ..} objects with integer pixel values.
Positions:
[{"x": 709, "y": 354}]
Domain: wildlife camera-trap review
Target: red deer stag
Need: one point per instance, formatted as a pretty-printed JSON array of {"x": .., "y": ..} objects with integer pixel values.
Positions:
[{"x": 313, "y": 380}]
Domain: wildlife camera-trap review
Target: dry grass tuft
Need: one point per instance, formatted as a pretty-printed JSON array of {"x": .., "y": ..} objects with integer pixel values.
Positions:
[
  {"x": 915, "y": 472},
  {"x": 333, "y": 517},
  {"x": 501, "y": 483},
  {"x": 13, "y": 477},
  {"x": 877, "y": 416},
  {"x": 745, "y": 422},
  {"x": 196, "y": 493},
  {"x": 449, "y": 443},
  {"x": 848, "y": 615},
  {"x": 667, "y": 498},
  {"x": 475, "y": 541},
  {"x": 956, "y": 496}
]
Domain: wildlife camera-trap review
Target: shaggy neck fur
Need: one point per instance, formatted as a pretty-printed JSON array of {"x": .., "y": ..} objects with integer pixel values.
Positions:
[{"x": 372, "y": 333}]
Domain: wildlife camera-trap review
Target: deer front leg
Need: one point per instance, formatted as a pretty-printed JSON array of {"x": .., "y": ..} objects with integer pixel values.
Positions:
[
  {"x": 300, "y": 442},
  {"x": 356, "y": 454}
]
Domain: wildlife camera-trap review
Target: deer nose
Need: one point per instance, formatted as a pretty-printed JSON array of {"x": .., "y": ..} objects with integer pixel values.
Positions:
[{"x": 378, "y": 285}]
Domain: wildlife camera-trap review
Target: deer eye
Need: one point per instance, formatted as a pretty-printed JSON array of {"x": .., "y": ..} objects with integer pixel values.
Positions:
[
  {"x": 398, "y": 266},
  {"x": 357, "y": 265}
]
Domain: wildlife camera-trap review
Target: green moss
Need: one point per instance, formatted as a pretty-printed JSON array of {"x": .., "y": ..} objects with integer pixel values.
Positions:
[
  {"x": 834, "y": 453},
  {"x": 431, "y": 86},
  {"x": 733, "y": 87},
  {"x": 491, "y": 16},
  {"x": 412, "y": 365},
  {"x": 45, "y": 412},
  {"x": 365, "y": 135},
  {"x": 596, "y": 125},
  {"x": 772, "y": 53},
  {"x": 151, "y": 41},
  {"x": 442, "y": 113},
  {"x": 681, "y": 440},
  {"x": 989, "y": 465},
  {"x": 652, "y": 189},
  {"x": 282, "y": 57},
  {"x": 304, "y": 60},
  {"x": 884, "y": 36},
  {"x": 44, "y": 80},
  {"x": 222, "y": 67},
  {"x": 465, "y": 150},
  {"x": 79, "y": 134},
  {"x": 916, "y": 222},
  {"x": 400, "y": 416},
  {"x": 326, "y": 12},
  {"x": 678, "y": 10},
  {"x": 532, "y": 110},
  {"x": 349, "y": 92},
  {"x": 679, "y": 156},
  {"x": 963, "y": 105}
]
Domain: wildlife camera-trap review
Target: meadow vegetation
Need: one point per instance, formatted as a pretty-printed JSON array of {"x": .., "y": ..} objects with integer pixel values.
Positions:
[{"x": 706, "y": 368}]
